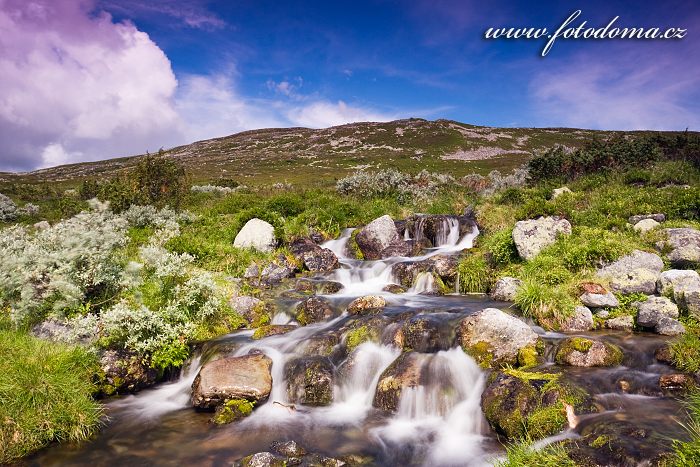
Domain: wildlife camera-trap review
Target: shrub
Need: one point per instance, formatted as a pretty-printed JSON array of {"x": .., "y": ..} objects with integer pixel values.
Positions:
[
  {"x": 45, "y": 394},
  {"x": 501, "y": 247},
  {"x": 390, "y": 183},
  {"x": 474, "y": 274},
  {"x": 215, "y": 189},
  {"x": 160, "y": 180},
  {"x": 548, "y": 306}
]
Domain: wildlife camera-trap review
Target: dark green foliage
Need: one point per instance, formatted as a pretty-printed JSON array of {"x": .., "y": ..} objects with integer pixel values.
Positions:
[{"x": 160, "y": 180}]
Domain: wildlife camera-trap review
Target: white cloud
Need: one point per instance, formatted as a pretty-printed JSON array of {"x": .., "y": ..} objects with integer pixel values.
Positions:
[
  {"x": 85, "y": 84},
  {"x": 323, "y": 113}
]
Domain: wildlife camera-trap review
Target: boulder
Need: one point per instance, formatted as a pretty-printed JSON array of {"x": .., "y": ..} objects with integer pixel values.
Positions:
[
  {"x": 315, "y": 286},
  {"x": 310, "y": 380},
  {"x": 669, "y": 327},
  {"x": 272, "y": 274},
  {"x": 313, "y": 310},
  {"x": 581, "y": 351},
  {"x": 640, "y": 217},
  {"x": 495, "y": 338},
  {"x": 258, "y": 234},
  {"x": 521, "y": 403},
  {"x": 422, "y": 334},
  {"x": 557, "y": 192},
  {"x": 621, "y": 323},
  {"x": 633, "y": 273},
  {"x": 376, "y": 236},
  {"x": 124, "y": 372},
  {"x": 366, "y": 304},
  {"x": 653, "y": 309},
  {"x": 247, "y": 377},
  {"x": 599, "y": 300},
  {"x": 313, "y": 257},
  {"x": 505, "y": 289},
  {"x": 445, "y": 266},
  {"x": 580, "y": 320},
  {"x": 404, "y": 372},
  {"x": 645, "y": 225},
  {"x": 252, "y": 309},
  {"x": 532, "y": 236},
  {"x": 685, "y": 247},
  {"x": 684, "y": 286}
]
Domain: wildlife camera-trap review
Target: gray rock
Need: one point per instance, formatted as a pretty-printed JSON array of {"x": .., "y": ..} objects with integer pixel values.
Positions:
[
  {"x": 635, "y": 281},
  {"x": 684, "y": 286},
  {"x": 251, "y": 308},
  {"x": 376, "y": 236},
  {"x": 310, "y": 380},
  {"x": 621, "y": 323},
  {"x": 368, "y": 303},
  {"x": 272, "y": 274},
  {"x": 258, "y": 234},
  {"x": 603, "y": 314},
  {"x": 288, "y": 448},
  {"x": 313, "y": 310},
  {"x": 557, "y": 192},
  {"x": 596, "y": 300},
  {"x": 124, "y": 372},
  {"x": 247, "y": 377},
  {"x": 640, "y": 217},
  {"x": 42, "y": 225},
  {"x": 653, "y": 309},
  {"x": 494, "y": 337},
  {"x": 581, "y": 320},
  {"x": 314, "y": 258},
  {"x": 404, "y": 372},
  {"x": 636, "y": 260},
  {"x": 645, "y": 225},
  {"x": 505, "y": 289},
  {"x": 685, "y": 247},
  {"x": 262, "y": 459},
  {"x": 581, "y": 351},
  {"x": 669, "y": 327},
  {"x": 532, "y": 236}
]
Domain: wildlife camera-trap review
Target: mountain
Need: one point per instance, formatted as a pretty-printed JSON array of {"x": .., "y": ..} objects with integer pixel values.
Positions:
[{"x": 311, "y": 156}]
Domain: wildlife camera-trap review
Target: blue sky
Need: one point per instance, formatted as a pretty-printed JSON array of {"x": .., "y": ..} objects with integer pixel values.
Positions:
[{"x": 200, "y": 69}]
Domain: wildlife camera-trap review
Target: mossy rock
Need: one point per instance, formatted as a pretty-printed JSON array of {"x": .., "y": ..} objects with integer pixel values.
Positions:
[
  {"x": 232, "y": 410},
  {"x": 520, "y": 403},
  {"x": 360, "y": 335},
  {"x": 273, "y": 330},
  {"x": 581, "y": 351},
  {"x": 310, "y": 381},
  {"x": 352, "y": 246}
]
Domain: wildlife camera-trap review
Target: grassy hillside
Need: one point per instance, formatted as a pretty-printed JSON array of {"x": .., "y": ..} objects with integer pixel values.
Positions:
[{"x": 317, "y": 157}]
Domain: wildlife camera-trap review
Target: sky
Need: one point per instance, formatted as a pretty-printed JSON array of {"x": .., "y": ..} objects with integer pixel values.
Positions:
[{"x": 93, "y": 79}]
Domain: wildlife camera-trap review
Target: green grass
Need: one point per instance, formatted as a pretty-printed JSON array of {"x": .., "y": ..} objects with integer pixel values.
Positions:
[
  {"x": 523, "y": 454},
  {"x": 685, "y": 350},
  {"x": 687, "y": 453},
  {"x": 45, "y": 394}
]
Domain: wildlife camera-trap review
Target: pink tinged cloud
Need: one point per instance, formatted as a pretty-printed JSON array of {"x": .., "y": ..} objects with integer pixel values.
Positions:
[{"x": 76, "y": 86}]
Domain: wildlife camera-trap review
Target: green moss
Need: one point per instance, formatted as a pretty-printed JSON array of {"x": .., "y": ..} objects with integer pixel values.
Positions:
[
  {"x": 353, "y": 247},
  {"x": 581, "y": 344},
  {"x": 546, "y": 421},
  {"x": 482, "y": 352},
  {"x": 528, "y": 356},
  {"x": 600, "y": 441},
  {"x": 232, "y": 410},
  {"x": 358, "y": 336}
]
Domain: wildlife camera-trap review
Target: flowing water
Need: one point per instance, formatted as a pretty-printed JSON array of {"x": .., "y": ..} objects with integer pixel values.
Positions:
[{"x": 438, "y": 423}]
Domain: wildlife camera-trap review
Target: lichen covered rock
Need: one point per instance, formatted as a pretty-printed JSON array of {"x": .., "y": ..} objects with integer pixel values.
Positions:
[
  {"x": 310, "y": 380},
  {"x": 532, "y": 236},
  {"x": 404, "y": 372},
  {"x": 581, "y": 351}
]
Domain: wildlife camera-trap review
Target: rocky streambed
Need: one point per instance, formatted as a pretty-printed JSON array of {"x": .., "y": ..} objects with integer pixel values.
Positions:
[{"x": 374, "y": 359}]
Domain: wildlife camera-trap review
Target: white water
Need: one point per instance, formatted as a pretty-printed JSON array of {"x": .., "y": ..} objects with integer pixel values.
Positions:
[
  {"x": 424, "y": 283},
  {"x": 443, "y": 417}
]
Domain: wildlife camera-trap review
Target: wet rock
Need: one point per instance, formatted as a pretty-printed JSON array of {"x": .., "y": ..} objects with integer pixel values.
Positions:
[
  {"x": 523, "y": 403},
  {"x": 313, "y": 310},
  {"x": 557, "y": 192},
  {"x": 124, "y": 372},
  {"x": 247, "y": 377},
  {"x": 366, "y": 304},
  {"x": 669, "y": 327},
  {"x": 310, "y": 381},
  {"x": 645, "y": 225},
  {"x": 262, "y": 459},
  {"x": 406, "y": 272},
  {"x": 288, "y": 449},
  {"x": 394, "y": 288},
  {"x": 621, "y": 323},
  {"x": 376, "y": 236},
  {"x": 257, "y": 234},
  {"x": 676, "y": 382},
  {"x": 398, "y": 248},
  {"x": 404, "y": 372},
  {"x": 271, "y": 274},
  {"x": 505, "y": 289},
  {"x": 580, "y": 351},
  {"x": 532, "y": 236},
  {"x": 313, "y": 257},
  {"x": 445, "y": 266},
  {"x": 653, "y": 309},
  {"x": 323, "y": 345},
  {"x": 494, "y": 338},
  {"x": 685, "y": 247},
  {"x": 273, "y": 330},
  {"x": 581, "y": 320},
  {"x": 252, "y": 309},
  {"x": 422, "y": 334},
  {"x": 640, "y": 217},
  {"x": 663, "y": 354},
  {"x": 316, "y": 286},
  {"x": 684, "y": 286}
]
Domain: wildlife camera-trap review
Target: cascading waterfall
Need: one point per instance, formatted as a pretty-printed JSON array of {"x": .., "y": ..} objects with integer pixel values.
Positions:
[{"x": 424, "y": 284}]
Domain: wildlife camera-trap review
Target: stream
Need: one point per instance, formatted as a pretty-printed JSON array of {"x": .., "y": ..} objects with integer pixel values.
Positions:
[{"x": 437, "y": 424}]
